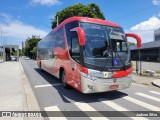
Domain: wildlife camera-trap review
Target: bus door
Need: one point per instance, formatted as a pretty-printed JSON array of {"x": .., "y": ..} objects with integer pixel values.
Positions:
[{"x": 75, "y": 55}]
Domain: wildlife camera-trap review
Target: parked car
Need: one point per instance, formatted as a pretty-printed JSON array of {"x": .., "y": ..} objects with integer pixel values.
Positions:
[
  {"x": 13, "y": 58},
  {"x": 26, "y": 58}
]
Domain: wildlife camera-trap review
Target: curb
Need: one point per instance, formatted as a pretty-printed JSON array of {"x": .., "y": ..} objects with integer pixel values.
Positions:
[
  {"x": 30, "y": 102},
  {"x": 156, "y": 83}
]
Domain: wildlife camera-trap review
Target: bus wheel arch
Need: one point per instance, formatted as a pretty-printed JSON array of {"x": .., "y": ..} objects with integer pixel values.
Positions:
[{"x": 62, "y": 77}]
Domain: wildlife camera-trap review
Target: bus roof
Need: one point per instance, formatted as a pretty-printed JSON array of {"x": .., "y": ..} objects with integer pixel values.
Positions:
[{"x": 86, "y": 19}]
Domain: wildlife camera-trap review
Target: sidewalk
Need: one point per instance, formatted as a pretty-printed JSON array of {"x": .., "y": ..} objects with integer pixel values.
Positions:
[
  {"x": 154, "y": 66},
  {"x": 15, "y": 91},
  {"x": 146, "y": 80}
]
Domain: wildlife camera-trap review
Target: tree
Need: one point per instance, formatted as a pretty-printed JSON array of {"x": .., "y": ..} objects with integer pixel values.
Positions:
[
  {"x": 131, "y": 43},
  {"x": 34, "y": 52},
  {"x": 92, "y": 10},
  {"x": 21, "y": 53},
  {"x": 30, "y": 48}
]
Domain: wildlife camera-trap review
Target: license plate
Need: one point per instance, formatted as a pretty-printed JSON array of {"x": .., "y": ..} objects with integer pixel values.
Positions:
[{"x": 114, "y": 86}]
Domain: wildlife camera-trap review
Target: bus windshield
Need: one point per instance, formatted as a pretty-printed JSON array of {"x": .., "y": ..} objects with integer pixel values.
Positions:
[{"x": 105, "y": 46}]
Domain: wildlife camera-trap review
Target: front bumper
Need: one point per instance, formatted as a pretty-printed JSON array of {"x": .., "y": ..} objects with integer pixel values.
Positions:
[{"x": 103, "y": 85}]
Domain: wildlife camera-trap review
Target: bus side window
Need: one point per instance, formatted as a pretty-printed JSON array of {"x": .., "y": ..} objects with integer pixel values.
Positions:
[
  {"x": 68, "y": 27},
  {"x": 59, "y": 36},
  {"x": 75, "y": 49}
]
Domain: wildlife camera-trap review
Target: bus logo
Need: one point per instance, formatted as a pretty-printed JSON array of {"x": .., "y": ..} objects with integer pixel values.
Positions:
[
  {"x": 114, "y": 79},
  {"x": 105, "y": 74}
]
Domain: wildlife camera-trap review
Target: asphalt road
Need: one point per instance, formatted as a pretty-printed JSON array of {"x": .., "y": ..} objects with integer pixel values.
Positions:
[{"x": 51, "y": 96}]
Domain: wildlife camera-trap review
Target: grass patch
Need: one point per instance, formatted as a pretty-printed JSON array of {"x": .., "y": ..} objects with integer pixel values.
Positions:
[{"x": 144, "y": 75}]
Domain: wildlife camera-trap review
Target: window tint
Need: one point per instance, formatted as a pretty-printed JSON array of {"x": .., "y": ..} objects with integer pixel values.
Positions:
[
  {"x": 59, "y": 36},
  {"x": 49, "y": 42},
  {"x": 119, "y": 46},
  {"x": 124, "y": 48},
  {"x": 68, "y": 27},
  {"x": 75, "y": 50},
  {"x": 45, "y": 46}
]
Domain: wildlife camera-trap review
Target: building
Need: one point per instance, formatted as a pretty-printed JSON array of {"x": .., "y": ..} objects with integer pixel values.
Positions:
[
  {"x": 157, "y": 35},
  {"x": 22, "y": 44},
  {"x": 150, "y": 51},
  {"x": 7, "y": 52}
]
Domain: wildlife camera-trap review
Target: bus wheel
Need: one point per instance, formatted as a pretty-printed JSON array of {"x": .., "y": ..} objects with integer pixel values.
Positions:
[{"x": 63, "y": 78}]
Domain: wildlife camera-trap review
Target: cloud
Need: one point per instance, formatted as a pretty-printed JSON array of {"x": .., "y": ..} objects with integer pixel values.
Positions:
[
  {"x": 46, "y": 2},
  {"x": 18, "y": 30},
  {"x": 146, "y": 29},
  {"x": 156, "y": 2},
  {"x": 152, "y": 23},
  {"x": 5, "y": 16}
]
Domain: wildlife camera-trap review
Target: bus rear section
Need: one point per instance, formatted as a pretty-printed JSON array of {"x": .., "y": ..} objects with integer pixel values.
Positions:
[{"x": 95, "y": 56}]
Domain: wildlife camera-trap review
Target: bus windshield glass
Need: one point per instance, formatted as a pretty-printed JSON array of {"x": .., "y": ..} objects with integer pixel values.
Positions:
[{"x": 105, "y": 46}]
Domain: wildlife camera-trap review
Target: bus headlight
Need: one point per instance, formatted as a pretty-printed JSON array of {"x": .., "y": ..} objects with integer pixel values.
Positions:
[{"x": 88, "y": 76}]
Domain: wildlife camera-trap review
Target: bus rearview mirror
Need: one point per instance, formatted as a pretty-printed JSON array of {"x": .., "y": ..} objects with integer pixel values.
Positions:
[
  {"x": 137, "y": 37},
  {"x": 81, "y": 35}
]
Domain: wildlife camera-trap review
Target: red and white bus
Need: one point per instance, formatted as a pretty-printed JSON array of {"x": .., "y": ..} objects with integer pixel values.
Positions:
[{"x": 91, "y": 55}]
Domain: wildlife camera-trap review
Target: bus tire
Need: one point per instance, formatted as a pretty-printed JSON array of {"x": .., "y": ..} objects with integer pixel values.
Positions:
[{"x": 63, "y": 78}]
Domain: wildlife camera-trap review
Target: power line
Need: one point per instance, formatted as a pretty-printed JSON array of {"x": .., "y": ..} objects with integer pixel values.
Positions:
[
  {"x": 132, "y": 13},
  {"x": 44, "y": 24}
]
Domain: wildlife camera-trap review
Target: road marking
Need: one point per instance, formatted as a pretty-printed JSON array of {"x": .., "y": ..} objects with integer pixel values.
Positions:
[
  {"x": 141, "y": 103},
  {"x": 85, "y": 107},
  {"x": 114, "y": 105},
  {"x": 55, "y": 108},
  {"x": 120, "y": 108},
  {"x": 148, "y": 96},
  {"x": 47, "y": 85},
  {"x": 157, "y": 93}
]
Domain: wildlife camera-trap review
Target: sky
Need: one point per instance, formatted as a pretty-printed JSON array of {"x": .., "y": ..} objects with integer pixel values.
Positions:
[{"x": 20, "y": 19}]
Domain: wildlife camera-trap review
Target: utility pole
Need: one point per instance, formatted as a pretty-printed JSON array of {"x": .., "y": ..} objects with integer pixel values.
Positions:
[
  {"x": 1, "y": 38},
  {"x": 2, "y": 42},
  {"x": 1, "y": 45},
  {"x": 140, "y": 66}
]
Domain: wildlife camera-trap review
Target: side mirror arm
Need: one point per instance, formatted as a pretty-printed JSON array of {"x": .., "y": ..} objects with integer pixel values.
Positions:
[
  {"x": 137, "y": 37},
  {"x": 81, "y": 35}
]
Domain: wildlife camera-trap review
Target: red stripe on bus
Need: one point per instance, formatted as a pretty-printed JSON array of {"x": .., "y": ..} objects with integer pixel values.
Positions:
[
  {"x": 119, "y": 74},
  {"x": 85, "y": 19}
]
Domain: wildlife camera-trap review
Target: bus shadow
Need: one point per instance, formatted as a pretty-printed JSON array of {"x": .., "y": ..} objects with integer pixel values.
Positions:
[
  {"x": 69, "y": 95},
  {"x": 48, "y": 77}
]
